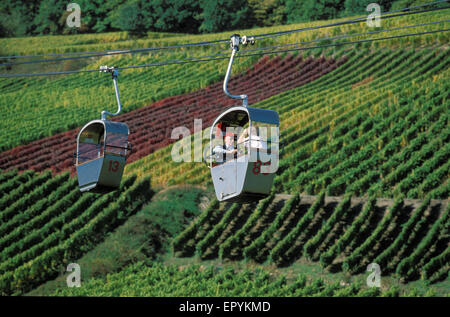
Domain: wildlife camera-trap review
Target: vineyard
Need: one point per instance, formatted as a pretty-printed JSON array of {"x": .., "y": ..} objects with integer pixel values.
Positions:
[
  {"x": 196, "y": 281},
  {"x": 321, "y": 123},
  {"x": 151, "y": 126},
  {"x": 69, "y": 102},
  {"x": 363, "y": 174},
  {"x": 405, "y": 237},
  {"x": 54, "y": 223}
]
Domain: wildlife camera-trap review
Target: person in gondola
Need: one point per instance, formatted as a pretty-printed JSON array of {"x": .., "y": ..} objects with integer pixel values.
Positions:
[
  {"x": 227, "y": 150},
  {"x": 256, "y": 141},
  {"x": 101, "y": 145}
]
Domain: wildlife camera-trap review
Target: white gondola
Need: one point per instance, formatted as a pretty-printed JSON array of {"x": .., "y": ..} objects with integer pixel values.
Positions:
[
  {"x": 243, "y": 153},
  {"x": 102, "y": 149}
]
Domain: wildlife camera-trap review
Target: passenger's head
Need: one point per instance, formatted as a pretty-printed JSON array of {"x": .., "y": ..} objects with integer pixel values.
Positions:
[{"x": 229, "y": 138}]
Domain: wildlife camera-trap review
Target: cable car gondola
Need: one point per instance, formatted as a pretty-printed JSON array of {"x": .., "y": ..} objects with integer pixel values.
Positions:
[
  {"x": 102, "y": 148},
  {"x": 243, "y": 152}
]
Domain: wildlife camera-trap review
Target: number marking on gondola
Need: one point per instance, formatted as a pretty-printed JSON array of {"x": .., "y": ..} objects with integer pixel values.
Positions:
[
  {"x": 257, "y": 167},
  {"x": 113, "y": 166}
]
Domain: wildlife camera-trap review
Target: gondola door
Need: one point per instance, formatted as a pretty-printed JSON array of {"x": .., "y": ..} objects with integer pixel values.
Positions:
[
  {"x": 229, "y": 175},
  {"x": 115, "y": 157}
]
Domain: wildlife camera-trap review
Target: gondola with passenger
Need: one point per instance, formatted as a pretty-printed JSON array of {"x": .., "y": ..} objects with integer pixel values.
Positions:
[{"x": 243, "y": 152}]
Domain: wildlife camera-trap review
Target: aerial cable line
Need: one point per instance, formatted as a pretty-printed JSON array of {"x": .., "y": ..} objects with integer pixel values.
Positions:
[
  {"x": 244, "y": 53},
  {"x": 358, "y": 20},
  {"x": 345, "y": 43},
  {"x": 108, "y": 53},
  {"x": 124, "y": 51},
  {"x": 259, "y": 37},
  {"x": 348, "y": 35},
  {"x": 224, "y": 56},
  {"x": 216, "y": 42}
]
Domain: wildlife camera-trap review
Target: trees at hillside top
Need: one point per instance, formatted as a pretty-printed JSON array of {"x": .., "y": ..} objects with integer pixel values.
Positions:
[
  {"x": 129, "y": 17},
  {"x": 310, "y": 10},
  {"x": 47, "y": 19},
  {"x": 140, "y": 16},
  {"x": 294, "y": 10},
  {"x": 96, "y": 14},
  {"x": 186, "y": 16},
  {"x": 224, "y": 15},
  {"x": 267, "y": 12},
  {"x": 353, "y": 7},
  {"x": 16, "y": 17},
  {"x": 21, "y": 17},
  {"x": 176, "y": 16}
]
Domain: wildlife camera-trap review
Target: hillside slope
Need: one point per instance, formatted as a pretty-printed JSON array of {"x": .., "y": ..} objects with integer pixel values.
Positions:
[
  {"x": 391, "y": 142},
  {"x": 195, "y": 280},
  {"x": 51, "y": 224},
  {"x": 405, "y": 237},
  {"x": 365, "y": 122},
  {"x": 151, "y": 126},
  {"x": 378, "y": 121},
  {"x": 43, "y": 106}
]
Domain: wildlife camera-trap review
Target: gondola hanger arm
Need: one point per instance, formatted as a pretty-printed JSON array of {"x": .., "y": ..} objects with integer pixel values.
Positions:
[
  {"x": 115, "y": 73},
  {"x": 235, "y": 40}
]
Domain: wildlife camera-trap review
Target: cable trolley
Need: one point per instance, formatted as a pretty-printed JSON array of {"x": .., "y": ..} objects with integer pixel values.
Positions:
[
  {"x": 243, "y": 152},
  {"x": 102, "y": 149}
]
